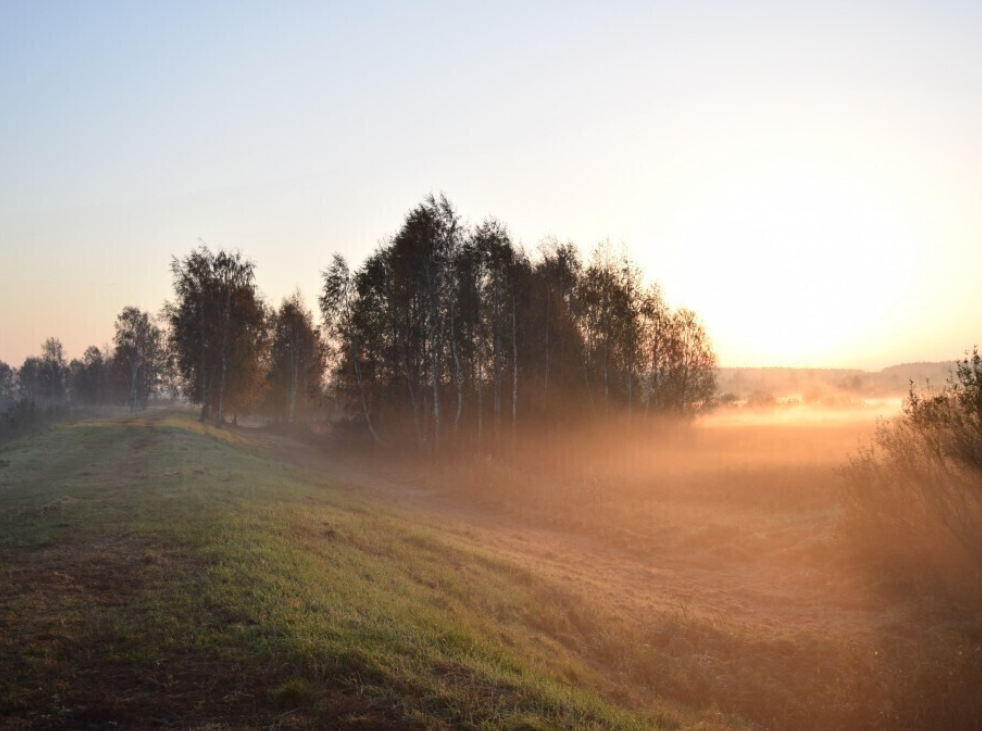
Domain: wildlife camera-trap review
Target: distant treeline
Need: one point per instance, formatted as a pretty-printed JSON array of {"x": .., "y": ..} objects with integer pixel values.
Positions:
[
  {"x": 445, "y": 333},
  {"x": 47, "y": 386},
  {"x": 829, "y": 386}
]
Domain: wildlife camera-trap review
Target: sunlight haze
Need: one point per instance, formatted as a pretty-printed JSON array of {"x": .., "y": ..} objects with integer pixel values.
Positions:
[
  {"x": 806, "y": 178},
  {"x": 555, "y": 365}
]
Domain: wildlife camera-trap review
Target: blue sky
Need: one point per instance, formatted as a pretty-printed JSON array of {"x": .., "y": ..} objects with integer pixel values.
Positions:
[{"x": 775, "y": 166}]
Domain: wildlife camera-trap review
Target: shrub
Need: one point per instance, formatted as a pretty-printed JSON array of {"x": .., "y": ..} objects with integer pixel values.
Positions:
[
  {"x": 25, "y": 416},
  {"x": 913, "y": 498},
  {"x": 20, "y": 417}
]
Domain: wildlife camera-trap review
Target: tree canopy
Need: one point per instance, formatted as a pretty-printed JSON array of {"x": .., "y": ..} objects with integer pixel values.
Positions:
[
  {"x": 217, "y": 331},
  {"x": 446, "y": 330}
]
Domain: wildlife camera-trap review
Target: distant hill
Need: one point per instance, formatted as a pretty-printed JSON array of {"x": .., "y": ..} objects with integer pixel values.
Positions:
[{"x": 823, "y": 383}]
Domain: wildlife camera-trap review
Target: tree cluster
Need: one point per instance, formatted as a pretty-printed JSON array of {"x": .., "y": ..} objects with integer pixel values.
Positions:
[
  {"x": 48, "y": 385},
  {"x": 234, "y": 355},
  {"x": 447, "y": 332},
  {"x": 127, "y": 374}
]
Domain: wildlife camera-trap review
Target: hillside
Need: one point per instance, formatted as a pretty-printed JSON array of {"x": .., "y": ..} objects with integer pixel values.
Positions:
[{"x": 157, "y": 573}]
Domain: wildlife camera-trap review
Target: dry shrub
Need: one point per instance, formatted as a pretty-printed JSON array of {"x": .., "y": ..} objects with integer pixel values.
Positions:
[
  {"x": 913, "y": 499},
  {"x": 913, "y": 514}
]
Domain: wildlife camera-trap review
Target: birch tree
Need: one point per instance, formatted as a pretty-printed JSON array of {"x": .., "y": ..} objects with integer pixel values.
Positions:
[
  {"x": 217, "y": 330},
  {"x": 138, "y": 353},
  {"x": 296, "y": 359},
  {"x": 337, "y": 303}
]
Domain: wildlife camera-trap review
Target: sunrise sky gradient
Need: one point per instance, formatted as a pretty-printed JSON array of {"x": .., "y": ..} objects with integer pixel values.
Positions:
[{"x": 806, "y": 176}]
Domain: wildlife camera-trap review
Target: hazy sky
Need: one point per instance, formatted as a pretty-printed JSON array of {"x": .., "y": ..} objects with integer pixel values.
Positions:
[{"x": 806, "y": 176}]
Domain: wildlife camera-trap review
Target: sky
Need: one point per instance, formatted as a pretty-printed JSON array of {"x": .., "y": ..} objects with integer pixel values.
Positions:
[{"x": 806, "y": 176}]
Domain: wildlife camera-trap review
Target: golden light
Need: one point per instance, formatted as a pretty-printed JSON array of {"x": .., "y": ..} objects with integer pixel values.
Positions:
[{"x": 798, "y": 263}]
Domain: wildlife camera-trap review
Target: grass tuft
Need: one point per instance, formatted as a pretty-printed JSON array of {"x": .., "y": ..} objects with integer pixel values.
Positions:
[{"x": 293, "y": 693}]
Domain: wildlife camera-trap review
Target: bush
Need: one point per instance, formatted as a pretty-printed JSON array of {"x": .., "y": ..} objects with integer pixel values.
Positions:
[
  {"x": 913, "y": 498},
  {"x": 24, "y": 416}
]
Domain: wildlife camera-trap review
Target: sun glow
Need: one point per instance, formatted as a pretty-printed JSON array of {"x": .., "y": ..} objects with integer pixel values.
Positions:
[{"x": 818, "y": 257}]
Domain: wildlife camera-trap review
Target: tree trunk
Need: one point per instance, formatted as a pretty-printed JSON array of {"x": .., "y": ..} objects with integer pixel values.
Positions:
[
  {"x": 205, "y": 375},
  {"x": 134, "y": 372},
  {"x": 412, "y": 401},
  {"x": 435, "y": 367},
  {"x": 545, "y": 383},
  {"x": 220, "y": 416},
  {"x": 497, "y": 374},
  {"x": 205, "y": 399},
  {"x": 514, "y": 368},
  {"x": 458, "y": 376},
  {"x": 606, "y": 377},
  {"x": 434, "y": 355},
  {"x": 226, "y": 317},
  {"x": 305, "y": 391},
  {"x": 480, "y": 396},
  {"x": 584, "y": 360},
  {"x": 361, "y": 392},
  {"x": 630, "y": 392},
  {"x": 653, "y": 378},
  {"x": 294, "y": 367}
]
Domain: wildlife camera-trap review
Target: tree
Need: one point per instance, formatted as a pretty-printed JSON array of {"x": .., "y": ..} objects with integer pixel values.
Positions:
[
  {"x": 337, "y": 304},
  {"x": 421, "y": 258},
  {"x": 138, "y": 354},
  {"x": 297, "y": 359},
  {"x": 246, "y": 381},
  {"x": 191, "y": 320},
  {"x": 682, "y": 366},
  {"x": 171, "y": 383},
  {"x": 8, "y": 392},
  {"x": 91, "y": 382},
  {"x": 498, "y": 265},
  {"x": 400, "y": 325},
  {"x": 217, "y": 330},
  {"x": 240, "y": 321},
  {"x": 43, "y": 379},
  {"x": 610, "y": 300},
  {"x": 558, "y": 351}
]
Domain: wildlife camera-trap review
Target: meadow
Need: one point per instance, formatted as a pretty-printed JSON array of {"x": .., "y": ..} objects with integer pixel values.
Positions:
[{"x": 160, "y": 573}]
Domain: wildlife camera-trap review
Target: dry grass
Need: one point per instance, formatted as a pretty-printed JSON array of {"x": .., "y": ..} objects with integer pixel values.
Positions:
[{"x": 718, "y": 570}]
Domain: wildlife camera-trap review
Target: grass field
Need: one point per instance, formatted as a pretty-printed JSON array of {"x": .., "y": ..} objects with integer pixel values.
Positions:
[{"x": 158, "y": 573}]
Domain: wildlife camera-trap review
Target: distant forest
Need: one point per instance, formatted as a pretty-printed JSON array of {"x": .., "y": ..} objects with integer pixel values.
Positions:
[{"x": 445, "y": 333}]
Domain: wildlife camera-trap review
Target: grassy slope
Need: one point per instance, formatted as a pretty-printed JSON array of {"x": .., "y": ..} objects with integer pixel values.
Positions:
[{"x": 156, "y": 572}]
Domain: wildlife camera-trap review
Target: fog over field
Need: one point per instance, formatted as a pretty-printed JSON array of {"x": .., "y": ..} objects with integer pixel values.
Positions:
[
  {"x": 510, "y": 367},
  {"x": 648, "y": 570}
]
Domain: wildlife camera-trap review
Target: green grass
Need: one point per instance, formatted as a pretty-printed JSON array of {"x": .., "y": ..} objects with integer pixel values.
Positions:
[{"x": 155, "y": 571}]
